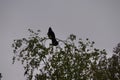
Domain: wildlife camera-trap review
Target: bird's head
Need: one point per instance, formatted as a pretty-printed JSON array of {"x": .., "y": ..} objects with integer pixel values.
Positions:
[{"x": 50, "y": 29}]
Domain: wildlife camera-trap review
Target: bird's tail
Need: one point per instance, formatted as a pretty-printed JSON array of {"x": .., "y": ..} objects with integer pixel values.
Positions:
[{"x": 54, "y": 42}]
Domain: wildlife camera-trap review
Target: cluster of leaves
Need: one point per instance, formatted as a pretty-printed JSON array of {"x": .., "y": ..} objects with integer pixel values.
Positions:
[{"x": 70, "y": 60}]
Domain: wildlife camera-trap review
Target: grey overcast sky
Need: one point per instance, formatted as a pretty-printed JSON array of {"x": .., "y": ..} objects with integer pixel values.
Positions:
[{"x": 98, "y": 20}]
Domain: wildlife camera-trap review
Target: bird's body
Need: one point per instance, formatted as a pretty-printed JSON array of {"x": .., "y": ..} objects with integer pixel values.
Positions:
[{"x": 51, "y": 36}]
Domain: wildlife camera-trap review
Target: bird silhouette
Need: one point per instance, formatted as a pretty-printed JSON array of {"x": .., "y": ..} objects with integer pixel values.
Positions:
[{"x": 51, "y": 36}]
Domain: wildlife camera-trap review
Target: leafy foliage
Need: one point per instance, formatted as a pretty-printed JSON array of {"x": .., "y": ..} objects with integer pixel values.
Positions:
[{"x": 70, "y": 60}]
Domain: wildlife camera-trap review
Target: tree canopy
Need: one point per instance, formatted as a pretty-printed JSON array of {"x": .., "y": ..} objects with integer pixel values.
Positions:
[{"x": 72, "y": 59}]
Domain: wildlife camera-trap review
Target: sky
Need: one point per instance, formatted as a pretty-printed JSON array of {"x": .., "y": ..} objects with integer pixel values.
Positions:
[{"x": 98, "y": 20}]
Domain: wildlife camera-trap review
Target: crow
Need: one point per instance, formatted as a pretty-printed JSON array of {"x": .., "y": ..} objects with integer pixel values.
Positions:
[{"x": 51, "y": 36}]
